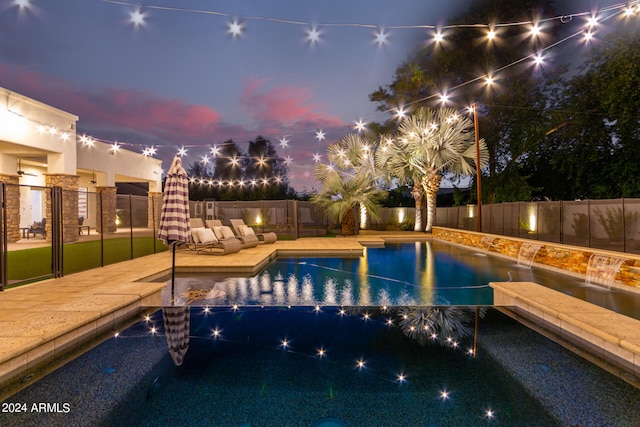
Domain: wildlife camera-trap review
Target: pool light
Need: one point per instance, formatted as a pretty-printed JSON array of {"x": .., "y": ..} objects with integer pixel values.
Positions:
[
  {"x": 401, "y": 378},
  {"x": 444, "y": 395},
  {"x": 360, "y": 364},
  {"x": 216, "y": 333}
]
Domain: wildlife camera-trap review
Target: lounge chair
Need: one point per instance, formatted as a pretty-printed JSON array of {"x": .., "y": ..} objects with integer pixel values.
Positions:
[
  {"x": 205, "y": 240},
  {"x": 39, "y": 228},
  {"x": 242, "y": 229},
  {"x": 225, "y": 232}
]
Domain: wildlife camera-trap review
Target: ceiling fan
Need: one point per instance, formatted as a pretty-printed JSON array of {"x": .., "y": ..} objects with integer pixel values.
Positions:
[{"x": 21, "y": 172}]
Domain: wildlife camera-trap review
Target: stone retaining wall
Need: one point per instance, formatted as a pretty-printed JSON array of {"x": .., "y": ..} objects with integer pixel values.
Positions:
[{"x": 572, "y": 259}]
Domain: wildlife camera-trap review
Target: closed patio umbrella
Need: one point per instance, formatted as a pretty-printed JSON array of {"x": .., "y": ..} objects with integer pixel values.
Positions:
[{"x": 173, "y": 229}]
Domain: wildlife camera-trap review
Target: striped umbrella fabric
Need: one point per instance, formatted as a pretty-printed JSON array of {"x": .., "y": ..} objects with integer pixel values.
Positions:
[
  {"x": 174, "y": 227},
  {"x": 176, "y": 329},
  {"x": 174, "y": 219}
]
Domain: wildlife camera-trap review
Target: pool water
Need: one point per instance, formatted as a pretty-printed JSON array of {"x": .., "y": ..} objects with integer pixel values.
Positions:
[
  {"x": 421, "y": 273},
  {"x": 244, "y": 376}
]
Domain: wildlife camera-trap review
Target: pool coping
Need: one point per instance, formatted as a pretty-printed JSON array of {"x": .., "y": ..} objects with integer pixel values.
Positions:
[
  {"x": 80, "y": 307},
  {"x": 601, "y": 333}
]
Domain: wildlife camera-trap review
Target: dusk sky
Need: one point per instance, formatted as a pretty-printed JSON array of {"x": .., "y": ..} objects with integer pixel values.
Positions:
[{"x": 182, "y": 79}]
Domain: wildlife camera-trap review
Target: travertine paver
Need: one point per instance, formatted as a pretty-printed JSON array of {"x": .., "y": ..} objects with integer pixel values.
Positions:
[{"x": 611, "y": 334}]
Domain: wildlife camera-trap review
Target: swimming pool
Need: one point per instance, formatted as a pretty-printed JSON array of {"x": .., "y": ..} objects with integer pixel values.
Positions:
[
  {"x": 420, "y": 273},
  {"x": 363, "y": 372}
]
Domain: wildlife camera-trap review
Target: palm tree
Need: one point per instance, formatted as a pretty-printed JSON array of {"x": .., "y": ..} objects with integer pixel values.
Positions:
[
  {"x": 432, "y": 143},
  {"x": 443, "y": 324},
  {"x": 350, "y": 181},
  {"x": 398, "y": 163}
]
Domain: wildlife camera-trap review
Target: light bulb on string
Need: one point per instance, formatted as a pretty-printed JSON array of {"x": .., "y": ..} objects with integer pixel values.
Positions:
[
  {"x": 380, "y": 37},
  {"x": 438, "y": 36},
  {"x": 360, "y": 126},
  {"x": 137, "y": 18},
  {"x": 535, "y": 30},
  {"x": 235, "y": 28},
  {"x": 313, "y": 35}
]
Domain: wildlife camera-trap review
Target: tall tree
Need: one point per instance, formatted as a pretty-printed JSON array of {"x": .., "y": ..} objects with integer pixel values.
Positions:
[
  {"x": 268, "y": 169},
  {"x": 432, "y": 142},
  {"x": 597, "y": 136},
  {"x": 350, "y": 181},
  {"x": 509, "y": 108}
]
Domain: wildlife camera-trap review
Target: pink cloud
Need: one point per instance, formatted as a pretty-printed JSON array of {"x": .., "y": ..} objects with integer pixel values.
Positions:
[
  {"x": 170, "y": 119},
  {"x": 284, "y": 104}
]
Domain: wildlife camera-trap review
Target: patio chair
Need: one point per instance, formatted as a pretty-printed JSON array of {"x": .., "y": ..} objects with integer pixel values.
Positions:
[
  {"x": 242, "y": 229},
  {"x": 204, "y": 240},
  {"x": 39, "y": 228},
  {"x": 225, "y": 232}
]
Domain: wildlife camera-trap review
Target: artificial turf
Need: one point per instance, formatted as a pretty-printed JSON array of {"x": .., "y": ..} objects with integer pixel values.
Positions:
[{"x": 26, "y": 264}]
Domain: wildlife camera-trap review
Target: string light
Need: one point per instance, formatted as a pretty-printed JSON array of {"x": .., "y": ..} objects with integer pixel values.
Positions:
[
  {"x": 22, "y": 4},
  {"x": 235, "y": 29},
  {"x": 313, "y": 35},
  {"x": 360, "y": 126},
  {"x": 137, "y": 18},
  {"x": 380, "y": 37}
]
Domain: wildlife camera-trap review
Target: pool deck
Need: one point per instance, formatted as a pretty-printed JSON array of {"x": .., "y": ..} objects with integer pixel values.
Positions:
[{"x": 43, "y": 321}]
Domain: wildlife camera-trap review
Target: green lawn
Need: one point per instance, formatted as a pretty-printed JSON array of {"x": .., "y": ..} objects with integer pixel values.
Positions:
[{"x": 32, "y": 263}]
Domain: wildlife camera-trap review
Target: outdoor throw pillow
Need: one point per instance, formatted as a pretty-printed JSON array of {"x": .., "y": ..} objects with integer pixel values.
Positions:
[
  {"x": 194, "y": 235},
  {"x": 227, "y": 233},
  {"x": 218, "y": 232},
  {"x": 206, "y": 235},
  {"x": 247, "y": 231}
]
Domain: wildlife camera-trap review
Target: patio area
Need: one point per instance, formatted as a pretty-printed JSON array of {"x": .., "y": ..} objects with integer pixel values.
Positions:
[{"x": 44, "y": 321}]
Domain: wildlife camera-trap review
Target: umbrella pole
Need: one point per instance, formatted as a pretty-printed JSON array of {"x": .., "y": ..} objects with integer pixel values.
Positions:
[{"x": 173, "y": 274}]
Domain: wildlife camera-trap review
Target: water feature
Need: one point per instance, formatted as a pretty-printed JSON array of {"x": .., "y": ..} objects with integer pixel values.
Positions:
[
  {"x": 527, "y": 254},
  {"x": 602, "y": 270},
  {"x": 486, "y": 242}
]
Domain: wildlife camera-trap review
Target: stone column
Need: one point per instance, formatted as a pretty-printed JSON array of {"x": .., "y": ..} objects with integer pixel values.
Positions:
[
  {"x": 12, "y": 206},
  {"x": 154, "y": 208},
  {"x": 109, "y": 209},
  {"x": 69, "y": 185}
]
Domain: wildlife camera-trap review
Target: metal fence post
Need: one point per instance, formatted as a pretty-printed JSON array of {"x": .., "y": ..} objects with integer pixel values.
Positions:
[
  {"x": 130, "y": 227},
  {"x": 56, "y": 231},
  {"x": 3, "y": 236}
]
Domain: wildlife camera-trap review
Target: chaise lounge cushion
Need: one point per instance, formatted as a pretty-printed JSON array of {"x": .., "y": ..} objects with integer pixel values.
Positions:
[
  {"x": 247, "y": 231},
  {"x": 206, "y": 235},
  {"x": 195, "y": 235},
  {"x": 227, "y": 232}
]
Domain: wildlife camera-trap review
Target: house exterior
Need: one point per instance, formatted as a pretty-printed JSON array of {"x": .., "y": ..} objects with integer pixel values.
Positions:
[{"x": 40, "y": 150}]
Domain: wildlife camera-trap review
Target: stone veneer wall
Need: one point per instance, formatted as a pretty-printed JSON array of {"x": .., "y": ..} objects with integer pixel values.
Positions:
[
  {"x": 154, "y": 209},
  {"x": 12, "y": 206},
  {"x": 569, "y": 258},
  {"x": 109, "y": 209},
  {"x": 69, "y": 184}
]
